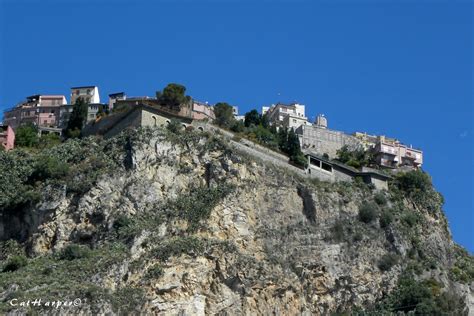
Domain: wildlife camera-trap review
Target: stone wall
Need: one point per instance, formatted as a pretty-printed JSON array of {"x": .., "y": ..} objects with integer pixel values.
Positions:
[
  {"x": 323, "y": 140},
  {"x": 132, "y": 120}
]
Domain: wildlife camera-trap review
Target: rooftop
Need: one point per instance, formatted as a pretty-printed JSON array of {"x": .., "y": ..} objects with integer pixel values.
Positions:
[{"x": 83, "y": 87}]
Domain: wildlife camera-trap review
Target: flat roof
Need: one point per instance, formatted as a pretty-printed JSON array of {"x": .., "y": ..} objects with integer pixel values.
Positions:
[{"x": 83, "y": 87}]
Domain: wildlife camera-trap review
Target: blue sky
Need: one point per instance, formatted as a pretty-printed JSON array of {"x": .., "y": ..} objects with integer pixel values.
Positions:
[{"x": 402, "y": 69}]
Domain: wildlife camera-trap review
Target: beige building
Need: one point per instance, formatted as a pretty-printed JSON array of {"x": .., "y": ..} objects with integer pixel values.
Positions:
[
  {"x": 140, "y": 115},
  {"x": 320, "y": 139},
  {"x": 390, "y": 152},
  {"x": 286, "y": 115},
  {"x": 393, "y": 154}
]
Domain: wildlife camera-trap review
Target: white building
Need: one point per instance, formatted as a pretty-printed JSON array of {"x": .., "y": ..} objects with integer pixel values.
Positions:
[
  {"x": 90, "y": 94},
  {"x": 286, "y": 115}
]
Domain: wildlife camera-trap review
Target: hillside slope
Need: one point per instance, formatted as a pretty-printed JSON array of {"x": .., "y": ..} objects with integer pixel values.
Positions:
[{"x": 157, "y": 222}]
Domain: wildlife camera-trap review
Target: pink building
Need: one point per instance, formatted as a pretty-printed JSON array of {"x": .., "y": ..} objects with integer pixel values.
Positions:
[
  {"x": 7, "y": 137},
  {"x": 40, "y": 110}
]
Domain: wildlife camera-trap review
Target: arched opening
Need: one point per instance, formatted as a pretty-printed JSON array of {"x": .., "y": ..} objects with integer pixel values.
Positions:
[
  {"x": 201, "y": 129},
  {"x": 154, "y": 120},
  {"x": 184, "y": 126}
]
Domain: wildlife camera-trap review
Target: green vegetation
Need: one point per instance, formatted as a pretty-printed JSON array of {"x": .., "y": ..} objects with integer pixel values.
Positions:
[
  {"x": 253, "y": 118},
  {"x": 77, "y": 119},
  {"x": 173, "y": 95},
  {"x": 356, "y": 158},
  {"x": 15, "y": 263},
  {"x": 380, "y": 198},
  {"x": 76, "y": 163},
  {"x": 52, "y": 279},
  {"x": 49, "y": 140},
  {"x": 224, "y": 115},
  {"x": 368, "y": 212},
  {"x": 386, "y": 218},
  {"x": 421, "y": 298},
  {"x": 463, "y": 268},
  {"x": 191, "y": 246},
  {"x": 197, "y": 204},
  {"x": 154, "y": 272},
  {"x": 387, "y": 261},
  {"x": 416, "y": 185},
  {"x": 26, "y": 136},
  {"x": 72, "y": 252}
]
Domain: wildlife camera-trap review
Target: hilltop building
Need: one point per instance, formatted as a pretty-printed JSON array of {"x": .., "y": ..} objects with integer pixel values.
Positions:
[
  {"x": 322, "y": 140},
  {"x": 390, "y": 152},
  {"x": 140, "y": 115},
  {"x": 113, "y": 97},
  {"x": 40, "y": 110},
  {"x": 286, "y": 115},
  {"x": 90, "y": 94},
  {"x": 7, "y": 137}
]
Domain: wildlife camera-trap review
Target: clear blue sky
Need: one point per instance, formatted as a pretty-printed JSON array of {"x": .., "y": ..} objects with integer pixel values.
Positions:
[{"x": 399, "y": 68}]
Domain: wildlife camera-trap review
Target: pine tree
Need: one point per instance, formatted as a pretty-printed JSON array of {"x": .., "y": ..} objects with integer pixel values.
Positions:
[{"x": 77, "y": 119}]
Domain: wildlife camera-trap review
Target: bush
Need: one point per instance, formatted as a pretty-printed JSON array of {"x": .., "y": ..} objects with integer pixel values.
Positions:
[
  {"x": 26, "y": 136},
  {"x": 421, "y": 298},
  {"x": 49, "y": 167},
  {"x": 338, "y": 231},
  {"x": 122, "y": 221},
  {"x": 199, "y": 202},
  {"x": 386, "y": 218},
  {"x": 410, "y": 218},
  {"x": 387, "y": 261},
  {"x": 380, "y": 199},
  {"x": 417, "y": 186},
  {"x": 155, "y": 272},
  {"x": 73, "y": 252},
  {"x": 15, "y": 263},
  {"x": 367, "y": 212}
]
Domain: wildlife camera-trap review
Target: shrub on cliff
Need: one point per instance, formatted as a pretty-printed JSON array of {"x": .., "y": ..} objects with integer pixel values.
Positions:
[
  {"x": 72, "y": 252},
  {"x": 387, "y": 261},
  {"x": 416, "y": 185},
  {"x": 420, "y": 298},
  {"x": 15, "y": 263},
  {"x": 368, "y": 212}
]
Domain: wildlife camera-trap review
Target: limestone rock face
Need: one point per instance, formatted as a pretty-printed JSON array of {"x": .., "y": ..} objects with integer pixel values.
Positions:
[{"x": 271, "y": 244}]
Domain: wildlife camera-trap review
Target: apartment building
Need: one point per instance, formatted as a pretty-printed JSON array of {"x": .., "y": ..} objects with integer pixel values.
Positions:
[
  {"x": 286, "y": 115},
  {"x": 391, "y": 153},
  {"x": 40, "y": 110},
  {"x": 90, "y": 94}
]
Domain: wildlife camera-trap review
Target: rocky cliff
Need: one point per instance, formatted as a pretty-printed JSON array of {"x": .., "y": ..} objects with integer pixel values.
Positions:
[{"x": 152, "y": 222}]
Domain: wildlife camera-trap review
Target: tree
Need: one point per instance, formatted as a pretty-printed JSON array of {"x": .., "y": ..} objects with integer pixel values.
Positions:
[
  {"x": 26, "y": 136},
  {"x": 237, "y": 126},
  {"x": 77, "y": 119},
  {"x": 173, "y": 95},
  {"x": 252, "y": 118},
  {"x": 293, "y": 143},
  {"x": 224, "y": 114},
  {"x": 294, "y": 149},
  {"x": 354, "y": 157},
  {"x": 283, "y": 139}
]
